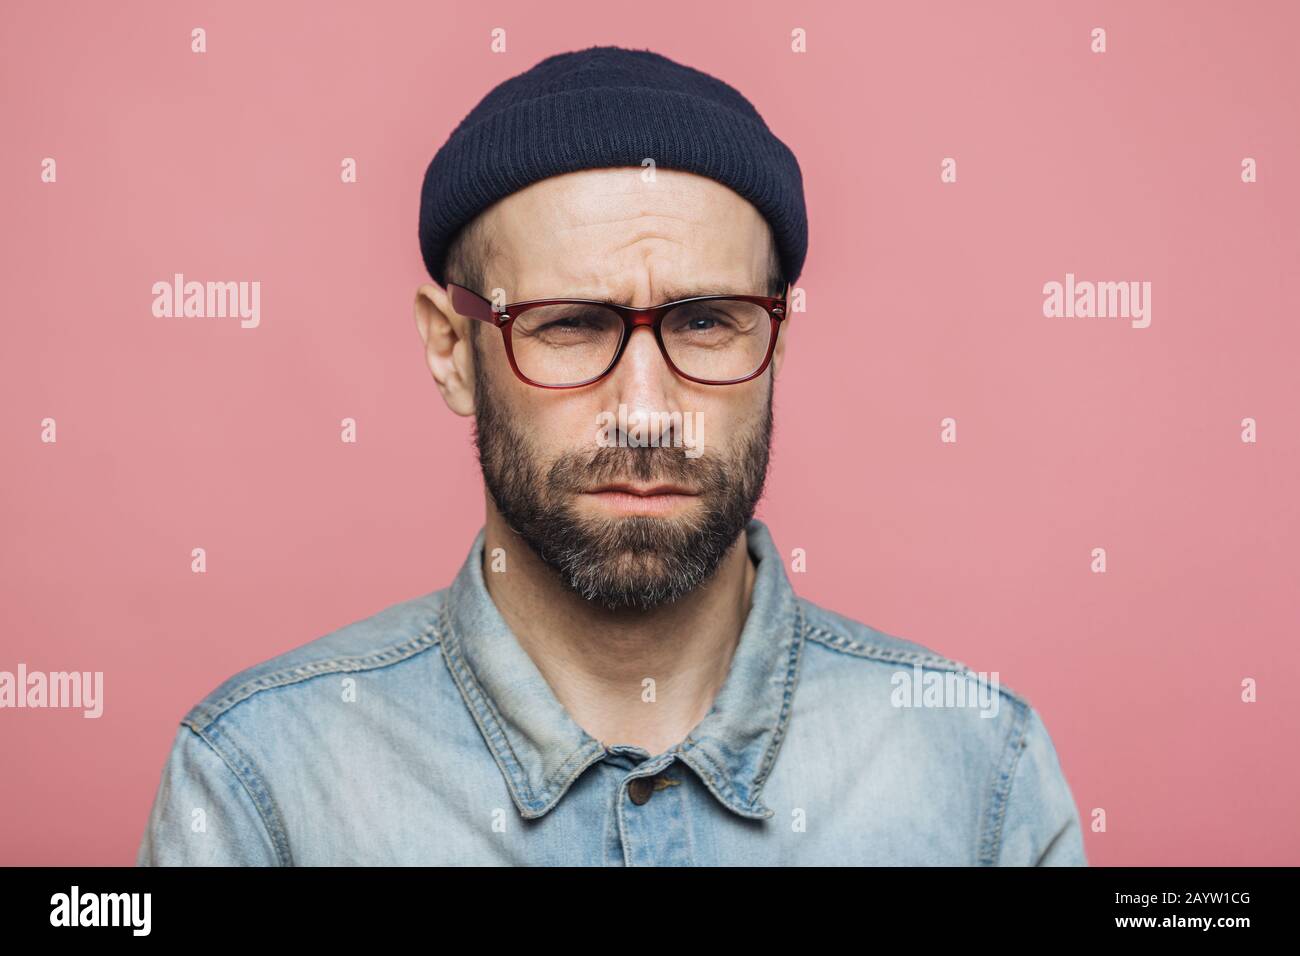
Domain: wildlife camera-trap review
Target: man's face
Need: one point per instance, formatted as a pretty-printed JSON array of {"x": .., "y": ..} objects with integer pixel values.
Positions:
[{"x": 544, "y": 454}]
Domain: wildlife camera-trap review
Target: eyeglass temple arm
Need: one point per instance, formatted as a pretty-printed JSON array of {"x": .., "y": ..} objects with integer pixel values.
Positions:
[{"x": 471, "y": 305}]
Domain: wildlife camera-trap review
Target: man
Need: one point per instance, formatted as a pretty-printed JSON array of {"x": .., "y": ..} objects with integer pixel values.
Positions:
[{"x": 621, "y": 673}]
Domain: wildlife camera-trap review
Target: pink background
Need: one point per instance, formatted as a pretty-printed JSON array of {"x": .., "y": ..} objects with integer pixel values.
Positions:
[{"x": 924, "y": 301}]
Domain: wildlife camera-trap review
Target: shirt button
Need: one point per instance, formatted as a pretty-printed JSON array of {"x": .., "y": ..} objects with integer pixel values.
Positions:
[{"x": 640, "y": 789}]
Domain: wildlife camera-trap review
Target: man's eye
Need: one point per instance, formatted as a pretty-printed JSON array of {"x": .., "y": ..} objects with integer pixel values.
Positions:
[
  {"x": 570, "y": 326},
  {"x": 555, "y": 326},
  {"x": 701, "y": 323}
]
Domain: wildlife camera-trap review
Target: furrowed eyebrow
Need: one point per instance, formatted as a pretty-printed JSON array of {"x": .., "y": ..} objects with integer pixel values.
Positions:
[
  {"x": 669, "y": 295},
  {"x": 675, "y": 295}
]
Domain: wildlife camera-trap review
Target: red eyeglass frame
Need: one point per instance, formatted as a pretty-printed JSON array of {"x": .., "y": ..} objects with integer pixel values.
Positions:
[{"x": 473, "y": 306}]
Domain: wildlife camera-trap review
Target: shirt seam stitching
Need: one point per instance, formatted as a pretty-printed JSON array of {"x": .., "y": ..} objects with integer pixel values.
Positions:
[
  {"x": 865, "y": 651},
  {"x": 205, "y": 715},
  {"x": 855, "y": 648},
  {"x": 482, "y": 709},
  {"x": 787, "y": 698},
  {"x": 1003, "y": 783},
  {"x": 254, "y": 786}
]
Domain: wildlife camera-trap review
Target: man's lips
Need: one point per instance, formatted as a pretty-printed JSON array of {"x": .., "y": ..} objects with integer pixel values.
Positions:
[
  {"x": 642, "y": 491},
  {"x": 628, "y": 498}
]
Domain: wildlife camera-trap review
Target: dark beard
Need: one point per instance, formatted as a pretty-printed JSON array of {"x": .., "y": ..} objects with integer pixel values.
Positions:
[{"x": 634, "y": 561}]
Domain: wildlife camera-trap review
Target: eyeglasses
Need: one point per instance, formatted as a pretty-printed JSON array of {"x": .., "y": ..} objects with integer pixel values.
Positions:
[{"x": 568, "y": 343}]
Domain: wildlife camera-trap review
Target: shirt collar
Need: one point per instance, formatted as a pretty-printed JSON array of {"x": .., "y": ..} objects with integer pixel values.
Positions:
[{"x": 541, "y": 750}]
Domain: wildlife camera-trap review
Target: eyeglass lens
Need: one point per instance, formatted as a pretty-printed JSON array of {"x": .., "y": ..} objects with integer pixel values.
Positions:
[{"x": 715, "y": 340}]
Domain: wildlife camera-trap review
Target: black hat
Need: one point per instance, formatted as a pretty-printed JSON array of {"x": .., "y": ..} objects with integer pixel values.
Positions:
[{"x": 609, "y": 106}]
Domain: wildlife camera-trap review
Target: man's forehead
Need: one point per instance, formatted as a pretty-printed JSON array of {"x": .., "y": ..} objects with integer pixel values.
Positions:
[
  {"x": 627, "y": 286},
  {"x": 609, "y": 234}
]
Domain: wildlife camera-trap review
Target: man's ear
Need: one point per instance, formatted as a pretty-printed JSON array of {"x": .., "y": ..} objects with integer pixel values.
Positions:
[{"x": 447, "y": 350}]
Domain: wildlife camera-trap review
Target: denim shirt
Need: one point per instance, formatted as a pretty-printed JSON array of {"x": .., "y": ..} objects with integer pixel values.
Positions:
[{"x": 425, "y": 734}]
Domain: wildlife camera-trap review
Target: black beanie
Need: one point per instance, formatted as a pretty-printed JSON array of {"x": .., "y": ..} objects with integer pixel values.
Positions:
[{"x": 609, "y": 106}]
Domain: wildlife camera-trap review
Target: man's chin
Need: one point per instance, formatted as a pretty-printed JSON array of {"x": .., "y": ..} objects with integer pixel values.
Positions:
[
  {"x": 610, "y": 536},
  {"x": 627, "y": 587},
  {"x": 625, "y": 562}
]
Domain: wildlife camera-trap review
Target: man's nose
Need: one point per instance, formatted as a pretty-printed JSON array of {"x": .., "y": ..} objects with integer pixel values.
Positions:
[
  {"x": 642, "y": 362},
  {"x": 642, "y": 384}
]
